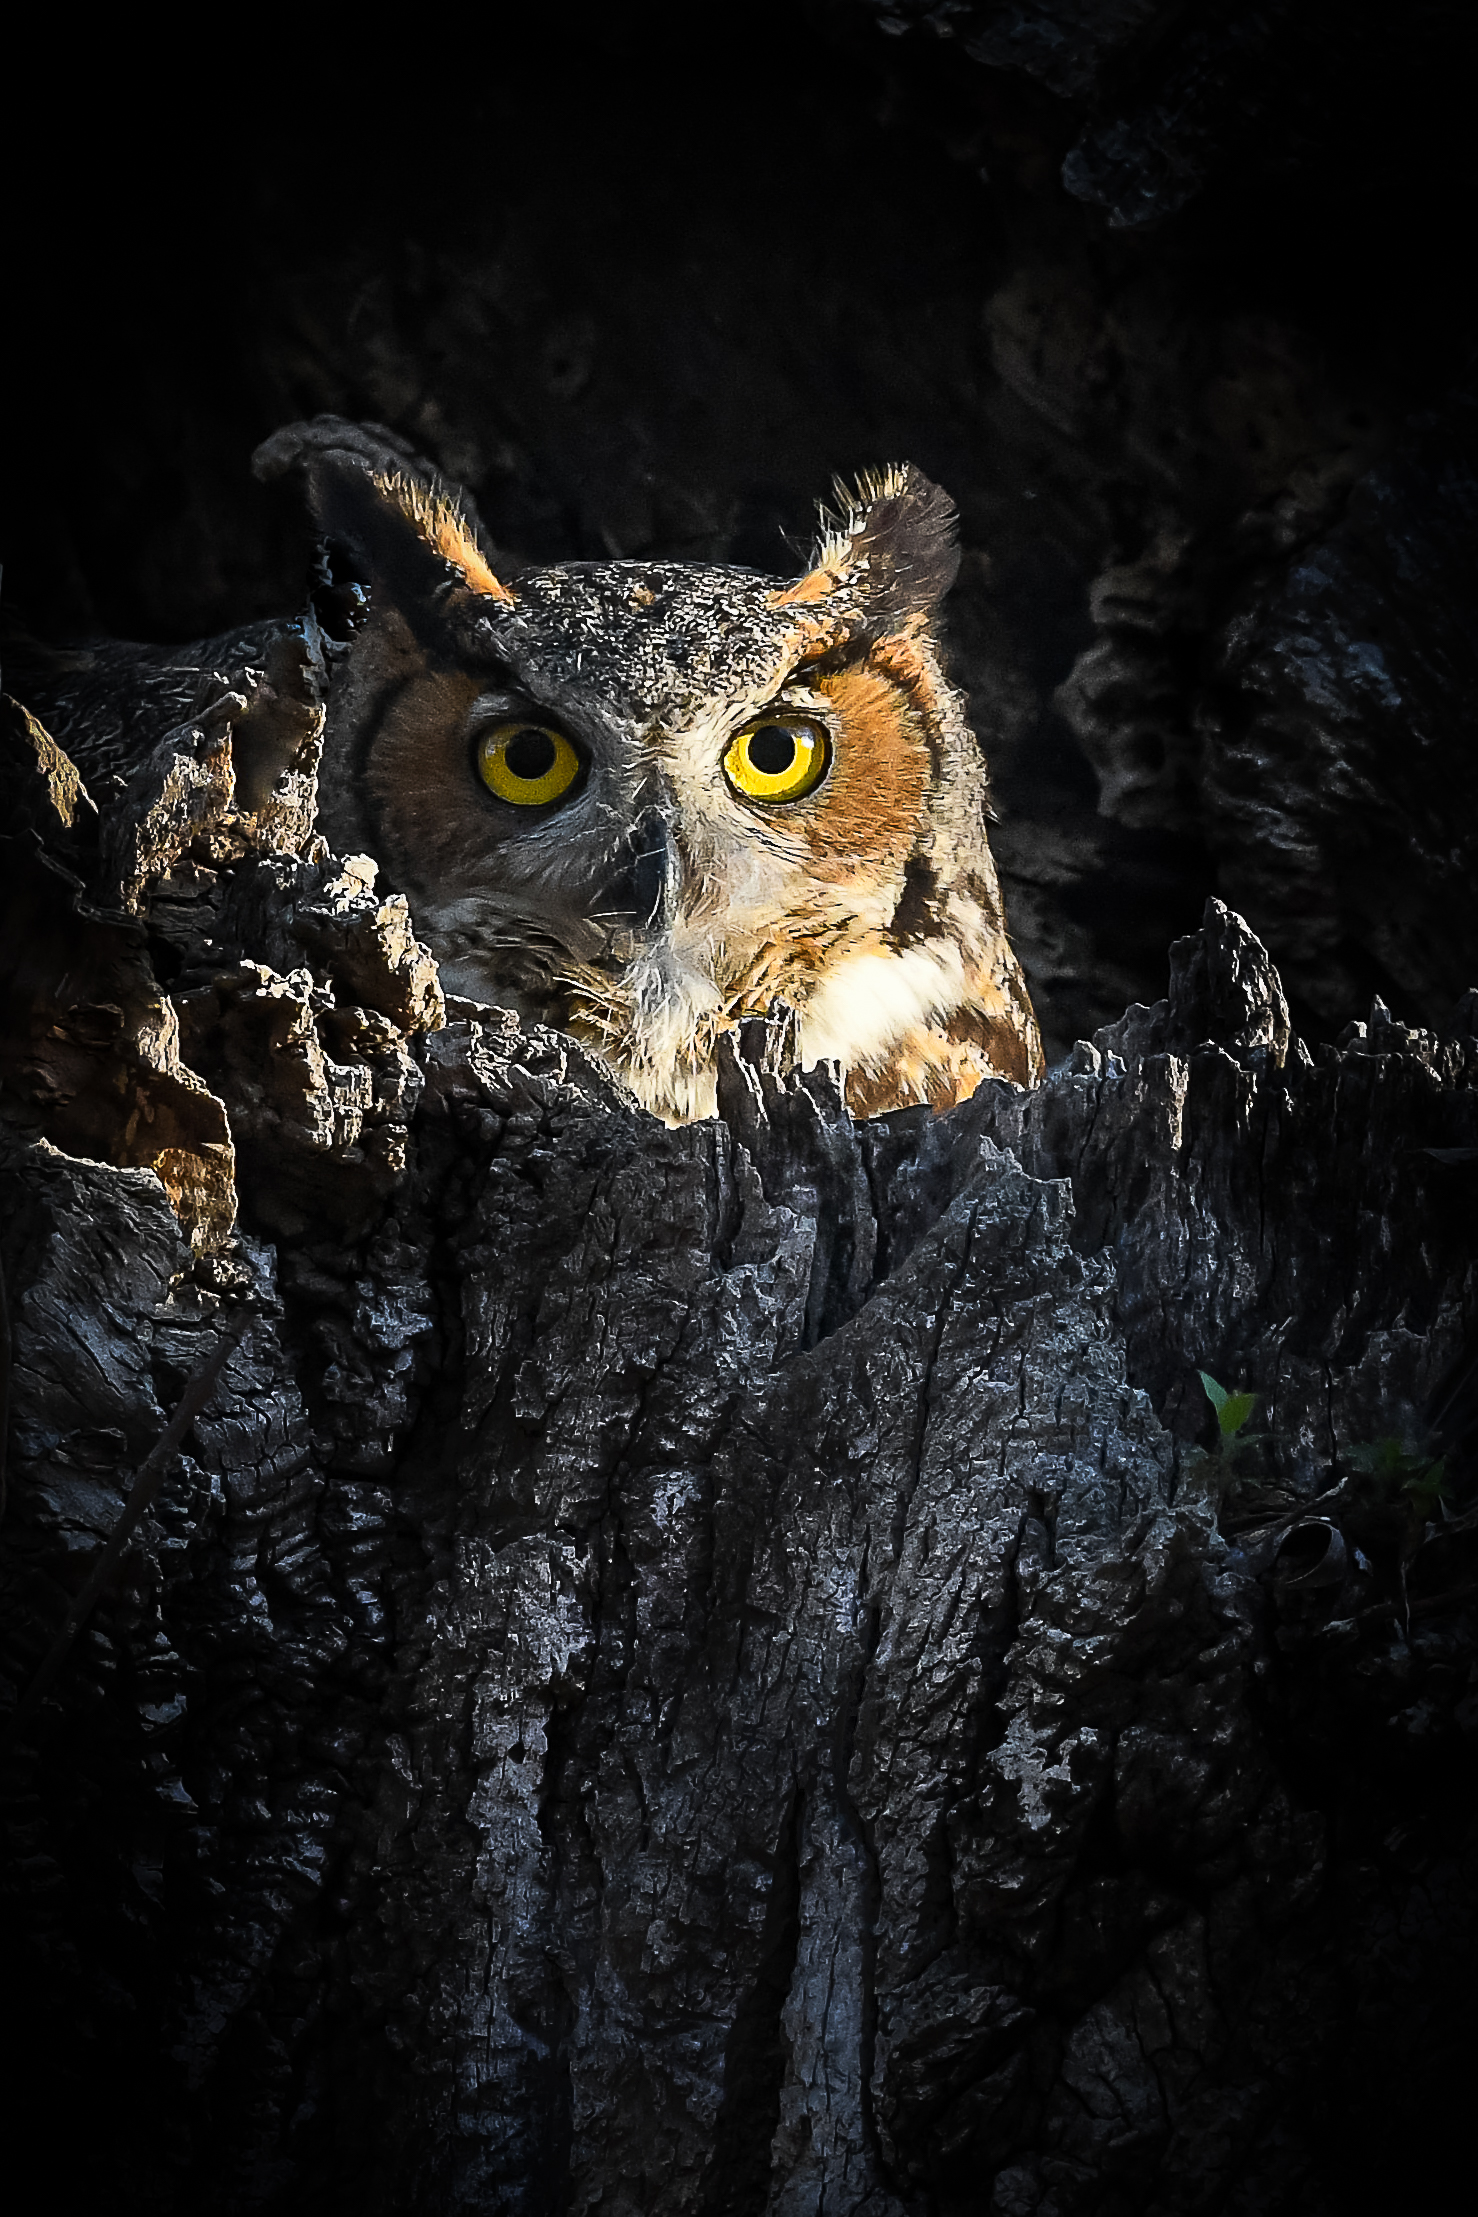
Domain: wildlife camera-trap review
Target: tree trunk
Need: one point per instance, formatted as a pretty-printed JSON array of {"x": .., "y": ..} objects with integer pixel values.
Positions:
[{"x": 725, "y": 1669}]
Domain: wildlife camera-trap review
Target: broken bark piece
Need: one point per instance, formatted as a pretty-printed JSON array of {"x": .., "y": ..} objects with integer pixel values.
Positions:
[
  {"x": 89, "y": 1046},
  {"x": 326, "y": 1132},
  {"x": 208, "y": 848},
  {"x": 181, "y": 797},
  {"x": 43, "y": 787},
  {"x": 369, "y": 948}
]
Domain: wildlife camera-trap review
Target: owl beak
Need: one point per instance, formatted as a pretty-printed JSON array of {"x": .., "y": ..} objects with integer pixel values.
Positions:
[{"x": 640, "y": 885}]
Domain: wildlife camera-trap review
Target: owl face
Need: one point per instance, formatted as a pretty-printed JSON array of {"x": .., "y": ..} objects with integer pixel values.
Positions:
[{"x": 643, "y": 800}]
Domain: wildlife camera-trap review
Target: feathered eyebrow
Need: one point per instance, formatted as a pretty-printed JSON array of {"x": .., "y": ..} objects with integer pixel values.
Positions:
[
  {"x": 509, "y": 695},
  {"x": 793, "y": 691},
  {"x": 828, "y": 654}
]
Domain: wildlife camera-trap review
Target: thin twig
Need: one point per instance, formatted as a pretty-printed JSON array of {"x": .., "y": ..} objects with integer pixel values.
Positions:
[{"x": 146, "y": 1484}]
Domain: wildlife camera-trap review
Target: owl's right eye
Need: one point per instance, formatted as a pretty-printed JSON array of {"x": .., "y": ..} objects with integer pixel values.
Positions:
[
  {"x": 777, "y": 760},
  {"x": 527, "y": 764}
]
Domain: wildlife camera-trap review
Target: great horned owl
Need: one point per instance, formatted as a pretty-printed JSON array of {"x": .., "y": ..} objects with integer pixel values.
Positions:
[{"x": 641, "y": 800}]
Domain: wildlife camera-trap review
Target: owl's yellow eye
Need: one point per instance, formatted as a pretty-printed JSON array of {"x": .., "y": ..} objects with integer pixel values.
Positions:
[
  {"x": 777, "y": 759},
  {"x": 528, "y": 764}
]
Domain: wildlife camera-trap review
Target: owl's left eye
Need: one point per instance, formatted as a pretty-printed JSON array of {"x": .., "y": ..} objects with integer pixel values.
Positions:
[
  {"x": 777, "y": 759},
  {"x": 528, "y": 764}
]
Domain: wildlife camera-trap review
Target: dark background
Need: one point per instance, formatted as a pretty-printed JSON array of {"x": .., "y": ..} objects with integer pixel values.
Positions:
[{"x": 1175, "y": 300}]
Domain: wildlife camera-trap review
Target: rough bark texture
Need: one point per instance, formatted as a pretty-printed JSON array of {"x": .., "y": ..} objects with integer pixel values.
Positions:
[{"x": 709, "y": 1670}]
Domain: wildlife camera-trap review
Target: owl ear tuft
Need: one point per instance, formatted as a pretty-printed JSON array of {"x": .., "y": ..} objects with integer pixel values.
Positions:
[
  {"x": 892, "y": 547},
  {"x": 366, "y": 486}
]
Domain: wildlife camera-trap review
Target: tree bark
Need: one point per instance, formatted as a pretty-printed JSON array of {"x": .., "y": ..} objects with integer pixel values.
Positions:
[{"x": 718, "y": 1670}]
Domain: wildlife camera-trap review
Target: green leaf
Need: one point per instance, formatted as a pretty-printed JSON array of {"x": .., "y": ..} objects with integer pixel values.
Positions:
[
  {"x": 1401, "y": 1468},
  {"x": 1427, "y": 1486},
  {"x": 1215, "y": 1394},
  {"x": 1384, "y": 1458},
  {"x": 1233, "y": 1410}
]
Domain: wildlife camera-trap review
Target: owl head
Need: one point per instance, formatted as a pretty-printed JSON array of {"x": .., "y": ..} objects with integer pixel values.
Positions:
[{"x": 643, "y": 800}]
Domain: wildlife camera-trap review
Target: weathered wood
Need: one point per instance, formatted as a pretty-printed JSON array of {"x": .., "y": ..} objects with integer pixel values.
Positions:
[{"x": 709, "y": 1670}]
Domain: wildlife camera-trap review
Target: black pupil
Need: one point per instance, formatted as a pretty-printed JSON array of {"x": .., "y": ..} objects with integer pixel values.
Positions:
[
  {"x": 772, "y": 749},
  {"x": 530, "y": 755}
]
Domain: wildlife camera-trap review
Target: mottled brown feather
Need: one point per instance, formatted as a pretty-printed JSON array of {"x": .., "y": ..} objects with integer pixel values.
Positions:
[{"x": 867, "y": 812}]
